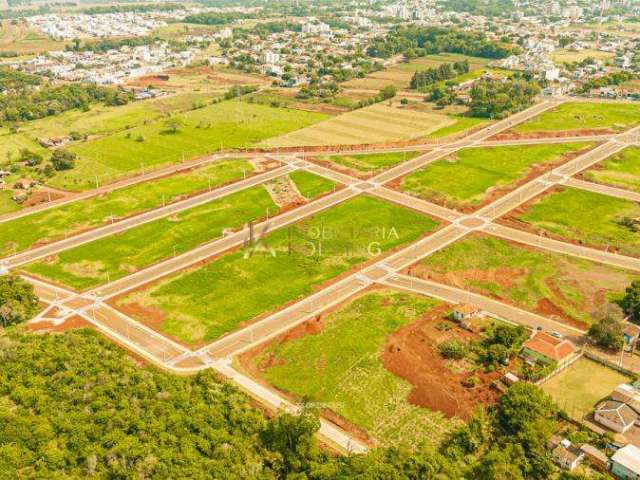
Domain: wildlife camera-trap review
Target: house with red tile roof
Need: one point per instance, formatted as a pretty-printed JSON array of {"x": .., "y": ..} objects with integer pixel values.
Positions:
[{"x": 545, "y": 348}]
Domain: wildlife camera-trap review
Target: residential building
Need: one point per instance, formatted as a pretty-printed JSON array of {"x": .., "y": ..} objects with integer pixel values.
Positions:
[
  {"x": 545, "y": 348},
  {"x": 616, "y": 416},
  {"x": 566, "y": 455},
  {"x": 625, "y": 463},
  {"x": 628, "y": 394},
  {"x": 596, "y": 458}
]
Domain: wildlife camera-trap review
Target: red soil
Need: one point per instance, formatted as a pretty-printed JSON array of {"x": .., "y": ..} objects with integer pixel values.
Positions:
[{"x": 512, "y": 135}]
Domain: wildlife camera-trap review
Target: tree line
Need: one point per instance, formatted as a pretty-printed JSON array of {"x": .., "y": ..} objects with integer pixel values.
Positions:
[
  {"x": 500, "y": 98},
  {"x": 421, "y": 41},
  {"x": 442, "y": 72}
]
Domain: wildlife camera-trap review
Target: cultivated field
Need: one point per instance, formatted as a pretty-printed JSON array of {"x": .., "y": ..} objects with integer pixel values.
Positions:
[
  {"x": 347, "y": 361},
  {"x": 367, "y": 163},
  {"x": 564, "y": 288},
  {"x": 620, "y": 170},
  {"x": 116, "y": 256},
  {"x": 400, "y": 74},
  {"x": 58, "y": 222},
  {"x": 225, "y": 125},
  {"x": 583, "y": 117},
  {"x": 474, "y": 176},
  {"x": 609, "y": 224},
  {"x": 290, "y": 263},
  {"x": 580, "y": 387},
  {"x": 378, "y": 123}
]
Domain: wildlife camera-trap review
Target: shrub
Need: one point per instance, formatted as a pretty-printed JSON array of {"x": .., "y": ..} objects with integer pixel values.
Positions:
[{"x": 453, "y": 349}]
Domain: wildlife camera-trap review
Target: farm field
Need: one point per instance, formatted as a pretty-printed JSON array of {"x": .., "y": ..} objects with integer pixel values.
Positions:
[
  {"x": 558, "y": 213},
  {"x": 568, "y": 56},
  {"x": 100, "y": 120},
  {"x": 474, "y": 175},
  {"x": 564, "y": 288},
  {"x": 620, "y": 170},
  {"x": 225, "y": 125},
  {"x": 368, "y": 163},
  {"x": 400, "y": 74},
  {"x": 118, "y": 255},
  {"x": 580, "y": 387},
  {"x": 53, "y": 224},
  {"x": 347, "y": 360},
  {"x": 375, "y": 124},
  {"x": 204, "y": 303},
  {"x": 613, "y": 117}
]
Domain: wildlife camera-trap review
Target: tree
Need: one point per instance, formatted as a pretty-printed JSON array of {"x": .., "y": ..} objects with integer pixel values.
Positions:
[
  {"x": 453, "y": 349},
  {"x": 18, "y": 302},
  {"x": 608, "y": 332},
  {"x": 63, "y": 160},
  {"x": 30, "y": 158},
  {"x": 631, "y": 302}
]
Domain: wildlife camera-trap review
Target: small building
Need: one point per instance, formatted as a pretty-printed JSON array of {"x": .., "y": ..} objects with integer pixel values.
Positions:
[
  {"x": 631, "y": 335},
  {"x": 545, "y": 348},
  {"x": 628, "y": 394},
  {"x": 566, "y": 455},
  {"x": 465, "y": 311},
  {"x": 625, "y": 463},
  {"x": 615, "y": 415},
  {"x": 596, "y": 457}
]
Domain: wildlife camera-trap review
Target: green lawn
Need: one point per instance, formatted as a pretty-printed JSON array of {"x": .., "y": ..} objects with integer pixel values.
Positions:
[
  {"x": 621, "y": 170},
  {"x": 536, "y": 280},
  {"x": 341, "y": 367},
  {"x": 563, "y": 213},
  {"x": 466, "y": 178},
  {"x": 207, "y": 302},
  {"x": 586, "y": 115},
  {"x": 226, "y": 125},
  {"x": 7, "y": 205},
  {"x": 580, "y": 387},
  {"x": 311, "y": 186},
  {"x": 462, "y": 125},
  {"x": 119, "y": 255},
  {"x": 55, "y": 223},
  {"x": 371, "y": 162}
]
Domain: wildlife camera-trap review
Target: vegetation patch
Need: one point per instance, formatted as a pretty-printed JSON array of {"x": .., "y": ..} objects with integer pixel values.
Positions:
[
  {"x": 224, "y": 125},
  {"x": 474, "y": 175},
  {"x": 371, "y": 162},
  {"x": 54, "y": 223},
  {"x": 568, "y": 289},
  {"x": 580, "y": 387},
  {"x": 311, "y": 186},
  {"x": 612, "y": 222},
  {"x": 284, "y": 266},
  {"x": 609, "y": 116},
  {"x": 620, "y": 170}
]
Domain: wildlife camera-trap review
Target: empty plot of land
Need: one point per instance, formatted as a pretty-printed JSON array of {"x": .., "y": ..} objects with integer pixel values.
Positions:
[
  {"x": 375, "y": 124},
  {"x": 21, "y": 39},
  {"x": 7, "y": 205},
  {"x": 580, "y": 387},
  {"x": 473, "y": 176},
  {"x": 345, "y": 361},
  {"x": 584, "y": 217},
  {"x": 367, "y": 163},
  {"x": 581, "y": 117},
  {"x": 56, "y": 223},
  {"x": 226, "y": 125},
  {"x": 400, "y": 74},
  {"x": 204, "y": 303},
  {"x": 620, "y": 170},
  {"x": 570, "y": 56},
  {"x": 568, "y": 289}
]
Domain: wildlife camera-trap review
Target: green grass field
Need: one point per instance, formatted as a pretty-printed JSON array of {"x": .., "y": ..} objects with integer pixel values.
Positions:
[
  {"x": 7, "y": 205},
  {"x": 462, "y": 125},
  {"x": 568, "y": 56},
  {"x": 621, "y": 170},
  {"x": 341, "y": 367},
  {"x": 555, "y": 285},
  {"x": 580, "y": 387},
  {"x": 311, "y": 186},
  {"x": 226, "y": 125},
  {"x": 470, "y": 175},
  {"x": 371, "y": 162},
  {"x": 100, "y": 120},
  {"x": 55, "y": 223},
  {"x": 562, "y": 213},
  {"x": 205, "y": 303},
  {"x": 116, "y": 256},
  {"x": 586, "y": 115},
  {"x": 377, "y": 123}
]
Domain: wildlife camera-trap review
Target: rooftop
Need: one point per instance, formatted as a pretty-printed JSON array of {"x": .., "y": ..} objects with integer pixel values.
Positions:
[
  {"x": 628, "y": 457},
  {"x": 550, "y": 346}
]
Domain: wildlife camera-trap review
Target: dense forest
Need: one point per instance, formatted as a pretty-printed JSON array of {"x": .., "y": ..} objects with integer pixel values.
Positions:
[
  {"x": 75, "y": 406},
  {"x": 498, "y": 99},
  {"x": 442, "y": 72},
  {"x": 421, "y": 41}
]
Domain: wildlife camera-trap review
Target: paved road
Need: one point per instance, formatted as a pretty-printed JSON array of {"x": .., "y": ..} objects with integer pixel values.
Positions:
[
  {"x": 146, "y": 217},
  {"x": 603, "y": 189}
]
